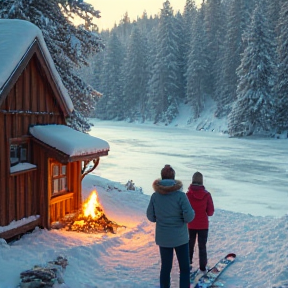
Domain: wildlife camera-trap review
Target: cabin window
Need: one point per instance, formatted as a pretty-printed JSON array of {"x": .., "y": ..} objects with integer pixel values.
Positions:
[
  {"x": 59, "y": 178},
  {"x": 18, "y": 153},
  {"x": 19, "y": 150}
]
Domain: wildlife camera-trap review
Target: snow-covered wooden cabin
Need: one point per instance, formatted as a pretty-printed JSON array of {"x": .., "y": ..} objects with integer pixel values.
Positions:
[{"x": 40, "y": 156}]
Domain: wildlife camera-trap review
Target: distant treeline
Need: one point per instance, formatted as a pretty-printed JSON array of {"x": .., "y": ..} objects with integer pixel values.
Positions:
[{"x": 233, "y": 51}]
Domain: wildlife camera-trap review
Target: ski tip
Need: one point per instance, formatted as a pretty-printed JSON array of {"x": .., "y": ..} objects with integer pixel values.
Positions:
[{"x": 231, "y": 255}]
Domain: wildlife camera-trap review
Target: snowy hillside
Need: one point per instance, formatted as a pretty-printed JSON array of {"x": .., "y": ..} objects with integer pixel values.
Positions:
[{"x": 206, "y": 122}]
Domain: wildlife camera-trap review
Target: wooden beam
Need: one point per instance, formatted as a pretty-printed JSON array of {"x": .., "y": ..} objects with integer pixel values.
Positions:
[
  {"x": 20, "y": 230},
  {"x": 25, "y": 113},
  {"x": 62, "y": 197}
]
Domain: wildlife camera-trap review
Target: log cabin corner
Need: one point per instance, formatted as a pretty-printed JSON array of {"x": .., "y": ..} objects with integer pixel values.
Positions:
[{"x": 41, "y": 158}]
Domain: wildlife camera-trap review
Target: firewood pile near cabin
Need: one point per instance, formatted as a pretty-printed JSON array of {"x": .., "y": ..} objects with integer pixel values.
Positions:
[
  {"x": 90, "y": 219},
  {"x": 44, "y": 276}
]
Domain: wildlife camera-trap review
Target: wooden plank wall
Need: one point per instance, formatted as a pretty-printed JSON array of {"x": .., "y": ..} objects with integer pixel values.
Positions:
[
  {"x": 3, "y": 171},
  {"x": 60, "y": 209},
  {"x": 75, "y": 182},
  {"x": 25, "y": 194}
]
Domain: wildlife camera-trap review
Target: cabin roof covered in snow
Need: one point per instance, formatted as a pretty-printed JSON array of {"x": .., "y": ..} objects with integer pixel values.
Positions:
[
  {"x": 69, "y": 141},
  {"x": 17, "y": 38}
]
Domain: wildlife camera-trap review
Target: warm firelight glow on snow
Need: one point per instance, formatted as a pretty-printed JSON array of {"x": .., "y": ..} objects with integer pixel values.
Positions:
[
  {"x": 90, "y": 205},
  {"x": 90, "y": 219}
]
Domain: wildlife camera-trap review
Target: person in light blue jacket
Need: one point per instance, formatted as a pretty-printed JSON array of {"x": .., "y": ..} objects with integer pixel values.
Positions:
[{"x": 169, "y": 207}]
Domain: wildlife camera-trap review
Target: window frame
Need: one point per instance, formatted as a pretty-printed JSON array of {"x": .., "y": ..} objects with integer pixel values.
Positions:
[
  {"x": 59, "y": 177},
  {"x": 17, "y": 142},
  {"x": 25, "y": 140}
]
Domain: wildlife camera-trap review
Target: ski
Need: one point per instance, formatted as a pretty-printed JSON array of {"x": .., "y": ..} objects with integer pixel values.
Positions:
[
  {"x": 193, "y": 275},
  {"x": 208, "y": 279}
]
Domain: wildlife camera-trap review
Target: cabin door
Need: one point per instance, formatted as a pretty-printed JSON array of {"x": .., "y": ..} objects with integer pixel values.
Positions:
[{"x": 60, "y": 193}]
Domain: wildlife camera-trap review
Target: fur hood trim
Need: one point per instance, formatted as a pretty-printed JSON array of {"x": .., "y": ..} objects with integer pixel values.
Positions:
[{"x": 177, "y": 186}]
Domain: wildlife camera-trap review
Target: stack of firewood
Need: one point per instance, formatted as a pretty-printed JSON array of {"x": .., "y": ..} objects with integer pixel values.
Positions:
[{"x": 44, "y": 276}]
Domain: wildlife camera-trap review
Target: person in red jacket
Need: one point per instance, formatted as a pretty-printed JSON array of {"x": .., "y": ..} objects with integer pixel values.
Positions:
[{"x": 202, "y": 203}]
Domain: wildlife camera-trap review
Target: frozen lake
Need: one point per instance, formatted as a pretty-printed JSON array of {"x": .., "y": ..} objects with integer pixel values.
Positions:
[{"x": 243, "y": 175}]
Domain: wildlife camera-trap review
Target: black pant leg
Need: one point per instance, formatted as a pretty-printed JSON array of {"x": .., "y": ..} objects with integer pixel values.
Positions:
[
  {"x": 166, "y": 266},
  {"x": 192, "y": 240},
  {"x": 202, "y": 240},
  {"x": 183, "y": 260}
]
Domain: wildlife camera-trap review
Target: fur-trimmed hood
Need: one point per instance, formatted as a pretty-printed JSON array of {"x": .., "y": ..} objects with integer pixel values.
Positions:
[{"x": 167, "y": 186}]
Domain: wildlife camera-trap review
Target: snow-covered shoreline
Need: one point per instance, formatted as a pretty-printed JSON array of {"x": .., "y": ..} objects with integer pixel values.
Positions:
[{"x": 130, "y": 257}]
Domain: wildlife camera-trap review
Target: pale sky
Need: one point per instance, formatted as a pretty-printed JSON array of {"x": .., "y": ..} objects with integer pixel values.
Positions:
[{"x": 112, "y": 11}]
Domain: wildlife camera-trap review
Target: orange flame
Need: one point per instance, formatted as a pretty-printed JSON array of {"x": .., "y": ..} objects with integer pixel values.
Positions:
[{"x": 89, "y": 207}]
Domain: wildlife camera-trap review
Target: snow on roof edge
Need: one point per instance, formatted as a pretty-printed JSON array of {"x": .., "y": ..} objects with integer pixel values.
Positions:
[
  {"x": 17, "y": 37},
  {"x": 68, "y": 140}
]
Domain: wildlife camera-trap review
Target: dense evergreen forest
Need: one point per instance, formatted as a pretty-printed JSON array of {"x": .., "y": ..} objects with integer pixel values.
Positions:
[{"x": 232, "y": 51}]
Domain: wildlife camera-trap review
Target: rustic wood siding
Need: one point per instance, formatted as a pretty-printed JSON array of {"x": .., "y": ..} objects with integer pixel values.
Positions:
[
  {"x": 30, "y": 101},
  {"x": 4, "y": 171},
  {"x": 20, "y": 197}
]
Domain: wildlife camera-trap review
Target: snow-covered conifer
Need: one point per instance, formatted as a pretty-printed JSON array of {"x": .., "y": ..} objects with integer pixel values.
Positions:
[
  {"x": 196, "y": 66},
  {"x": 135, "y": 76},
  {"x": 167, "y": 66},
  {"x": 253, "y": 110},
  {"x": 233, "y": 48},
  {"x": 214, "y": 34},
  {"x": 111, "y": 104},
  {"x": 281, "y": 87},
  {"x": 70, "y": 46}
]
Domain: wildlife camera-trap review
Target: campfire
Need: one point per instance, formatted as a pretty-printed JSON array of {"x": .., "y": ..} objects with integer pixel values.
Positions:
[{"x": 90, "y": 219}]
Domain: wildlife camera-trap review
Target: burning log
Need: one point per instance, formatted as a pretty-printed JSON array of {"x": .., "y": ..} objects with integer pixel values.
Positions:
[{"x": 90, "y": 219}]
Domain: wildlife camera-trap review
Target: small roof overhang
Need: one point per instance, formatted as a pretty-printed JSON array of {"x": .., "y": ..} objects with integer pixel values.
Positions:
[{"x": 68, "y": 145}]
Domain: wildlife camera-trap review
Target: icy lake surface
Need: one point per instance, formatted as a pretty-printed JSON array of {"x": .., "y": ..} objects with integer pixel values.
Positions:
[{"x": 243, "y": 175}]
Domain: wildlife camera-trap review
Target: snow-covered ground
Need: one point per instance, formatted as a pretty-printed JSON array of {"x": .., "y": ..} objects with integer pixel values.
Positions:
[
  {"x": 248, "y": 179},
  {"x": 130, "y": 258}
]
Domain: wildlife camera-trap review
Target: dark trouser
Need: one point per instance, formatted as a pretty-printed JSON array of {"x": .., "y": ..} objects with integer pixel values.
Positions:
[
  {"x": 182, "y": 253},
  {"x": 202, "y": 240}
]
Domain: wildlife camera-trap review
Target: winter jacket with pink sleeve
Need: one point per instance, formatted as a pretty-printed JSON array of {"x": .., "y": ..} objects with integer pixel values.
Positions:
[{"x": 202, "y": 203}]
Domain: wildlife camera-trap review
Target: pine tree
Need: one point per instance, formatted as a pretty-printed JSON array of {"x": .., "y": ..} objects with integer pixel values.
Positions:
[
  {"x": 233, "y": 48},
  {"x": 167, "y": 68},
  {"x": 110, "y": 105},
  {"x": 282, "y": 79},
  {"x": 197, "y": 66},
  {"x": 136, "y": 77},
  {"x": 153, "y": 77},
  {"x": 69, "y": 46},
  {"x": 214, "y": 34},
  {"x": 124, "y": 28},
  {"x": 189, "y": 15},
  {"x": 181, "y": 44},
  {"x": 253, "y": 110}
]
